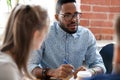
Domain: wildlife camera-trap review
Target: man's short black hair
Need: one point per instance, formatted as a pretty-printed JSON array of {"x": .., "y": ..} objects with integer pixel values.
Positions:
[{"x": 60, "y": 3}]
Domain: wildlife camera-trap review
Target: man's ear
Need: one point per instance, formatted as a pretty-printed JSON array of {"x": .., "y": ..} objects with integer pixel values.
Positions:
[{"x": 57, "y": 17}]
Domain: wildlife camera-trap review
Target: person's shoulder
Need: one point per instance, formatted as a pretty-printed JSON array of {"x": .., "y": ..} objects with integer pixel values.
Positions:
[
  {"x": 53, "y": 25},
  {"x": 6, "y": 59},
  {"x": 83, "y": 29},
  {"x": 8, "y": 65}
]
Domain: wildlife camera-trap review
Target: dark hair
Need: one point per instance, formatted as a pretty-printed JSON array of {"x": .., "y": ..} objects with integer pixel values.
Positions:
[
  {"x": 60, "y": 3},
  {"x": 24, "y": 20}
]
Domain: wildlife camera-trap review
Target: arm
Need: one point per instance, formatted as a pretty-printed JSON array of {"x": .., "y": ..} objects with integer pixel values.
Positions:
[
  {"x": 36, "y": 70},
  {"x": 96, "y": 70},
  {"x": 34, "y": 66},
  {"x": 39, "y": 72},
  {"x": 60, "y": 73},
  {"x": 93, "y": 58},
  {"x": 93, "y": 71}
]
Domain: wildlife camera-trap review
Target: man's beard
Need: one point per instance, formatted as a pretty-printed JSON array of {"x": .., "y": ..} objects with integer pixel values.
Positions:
[{"x": 67, "y": 30}]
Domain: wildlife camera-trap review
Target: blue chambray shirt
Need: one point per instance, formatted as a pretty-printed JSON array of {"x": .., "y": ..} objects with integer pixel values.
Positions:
[{"x": 75, "y": 48}]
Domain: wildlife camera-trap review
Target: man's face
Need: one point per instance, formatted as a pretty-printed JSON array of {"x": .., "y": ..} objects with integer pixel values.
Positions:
[{"x": 68, "y": 17}]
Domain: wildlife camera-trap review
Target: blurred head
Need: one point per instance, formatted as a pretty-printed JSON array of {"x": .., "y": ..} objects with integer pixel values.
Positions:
[
  {"x": 26, "y": 29},
  {"x": 117, "y": 28},
  {"x": 116, "y": 59},
  {"x": 68, "y": 15}
]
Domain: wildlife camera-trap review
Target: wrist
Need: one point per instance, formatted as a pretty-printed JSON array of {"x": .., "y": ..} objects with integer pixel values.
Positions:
[
  {"x": 51, "y": 72},
  {"x": 45, "y": 75},
  {"x": 92, "y": 71}
]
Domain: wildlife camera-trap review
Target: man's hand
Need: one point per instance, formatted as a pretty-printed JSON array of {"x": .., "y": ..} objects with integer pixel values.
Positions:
[{"x": 61, "y": 72}]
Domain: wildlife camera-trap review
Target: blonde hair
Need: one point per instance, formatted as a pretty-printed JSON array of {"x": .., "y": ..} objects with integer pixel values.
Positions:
[{"x": 23, "y": 21}]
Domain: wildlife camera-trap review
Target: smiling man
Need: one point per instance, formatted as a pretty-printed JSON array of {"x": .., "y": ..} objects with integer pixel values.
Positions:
[{"x": 67, "y": 46}]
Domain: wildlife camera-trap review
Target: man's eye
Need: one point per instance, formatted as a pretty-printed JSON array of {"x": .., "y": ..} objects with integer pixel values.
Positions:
[
  {"x": 67, "y": 15},
  {"x": 76, "y": 14}
]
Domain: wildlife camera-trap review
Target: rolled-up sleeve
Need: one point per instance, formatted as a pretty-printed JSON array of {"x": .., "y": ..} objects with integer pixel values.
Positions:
[
  {"x": 34, "y": 60},
  {"x": 93, "y": 58}
]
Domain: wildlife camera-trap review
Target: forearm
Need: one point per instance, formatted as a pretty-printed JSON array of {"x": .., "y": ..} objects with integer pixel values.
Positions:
[
  {"x": 37, "y": 72},
  {"x": 96, "y": 70},
  {"x": 45, "y": 73}
]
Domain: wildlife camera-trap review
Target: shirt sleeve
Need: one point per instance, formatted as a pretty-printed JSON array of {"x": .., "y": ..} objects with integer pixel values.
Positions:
[
  {"x": 35, "y": 59},
  {"x": 93, "y": 58}
]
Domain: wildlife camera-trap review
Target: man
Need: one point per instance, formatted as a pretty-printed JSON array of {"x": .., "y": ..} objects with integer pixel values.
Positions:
[
  {"x": 116, "y": 59},
  {"x": 66, "y": 46}
]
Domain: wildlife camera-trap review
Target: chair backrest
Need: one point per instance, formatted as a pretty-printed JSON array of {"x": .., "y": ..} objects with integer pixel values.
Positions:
[{"x": 107, "y": 55}]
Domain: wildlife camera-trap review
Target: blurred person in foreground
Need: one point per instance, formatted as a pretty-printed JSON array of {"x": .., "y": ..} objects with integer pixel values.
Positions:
[
  {"x": 67, "y": 46},
  {"x": 25, "y": 31},
  {"x": 115, "y": 75}
]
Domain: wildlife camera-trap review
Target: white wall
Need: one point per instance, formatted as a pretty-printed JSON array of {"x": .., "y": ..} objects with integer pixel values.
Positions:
[{"x": 5, "y": 10}]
